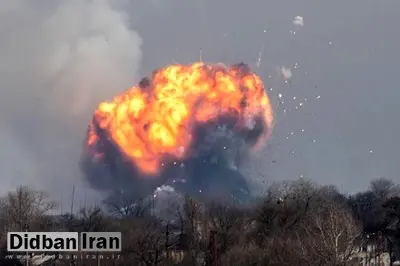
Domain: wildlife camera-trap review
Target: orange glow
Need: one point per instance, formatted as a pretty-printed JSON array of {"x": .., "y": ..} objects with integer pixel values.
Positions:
[{"x": 146, "y": 124}]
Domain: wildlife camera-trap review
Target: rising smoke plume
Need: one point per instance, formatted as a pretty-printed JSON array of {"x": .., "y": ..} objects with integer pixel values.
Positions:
[
  {"x": 186, "y": 126},
  {"x": 58, "y": 60}
]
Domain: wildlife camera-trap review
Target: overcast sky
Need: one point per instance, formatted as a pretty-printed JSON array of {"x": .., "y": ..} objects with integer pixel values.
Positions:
[
  {"x": 347, "y": 53},
  {"x": 60, "y": 58}
]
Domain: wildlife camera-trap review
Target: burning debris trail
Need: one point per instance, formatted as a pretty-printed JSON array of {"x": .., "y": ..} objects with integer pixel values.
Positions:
[{"x": 188, "y": 126}]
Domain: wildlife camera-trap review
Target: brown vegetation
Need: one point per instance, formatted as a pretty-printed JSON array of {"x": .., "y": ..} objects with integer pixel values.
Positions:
[{"x": 297, "y": 223}]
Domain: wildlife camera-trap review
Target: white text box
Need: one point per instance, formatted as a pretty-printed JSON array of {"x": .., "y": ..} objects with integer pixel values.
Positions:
[{"x": 42, "y": 241}]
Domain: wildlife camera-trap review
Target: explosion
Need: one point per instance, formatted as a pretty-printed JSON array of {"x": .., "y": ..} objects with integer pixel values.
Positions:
[{"x": 186, "y": 122}]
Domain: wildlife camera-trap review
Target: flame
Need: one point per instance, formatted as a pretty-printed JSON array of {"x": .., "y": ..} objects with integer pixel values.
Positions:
[{"x": 146, "y": 124}]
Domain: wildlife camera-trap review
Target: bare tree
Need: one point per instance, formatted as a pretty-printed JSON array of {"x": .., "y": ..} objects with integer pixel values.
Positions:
[
  {"x": 292, "y": 226},
  {"x": 92, "y": 219},
  {"x": 328, "y": 236},
  {"x": 296, "y": 189},
  {"x": 229, "y": 222},
  {"x": 277, "y": 219},
  {"x": 245, "y": 255},
  {"x": 123, "y": 205},
  {"x": 273, "y": 230},
  {"x": 384, "y": 188},
  {"x": 144, "y": 242},
  {"x": 24, "y": 206},
  {"x": 194, "y": 230}
]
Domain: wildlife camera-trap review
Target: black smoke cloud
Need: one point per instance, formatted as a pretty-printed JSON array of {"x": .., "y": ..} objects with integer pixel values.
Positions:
[{"x": 210, "y": 170}]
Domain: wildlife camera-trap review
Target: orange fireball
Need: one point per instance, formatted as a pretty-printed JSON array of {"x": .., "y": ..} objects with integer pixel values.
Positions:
[{"x": 147, "y": 123}]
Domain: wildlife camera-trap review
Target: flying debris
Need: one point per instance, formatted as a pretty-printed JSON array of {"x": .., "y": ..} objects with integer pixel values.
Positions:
[
  {"x": 259, "y": 58},
  {"x": 192, "y": 123},
  {"x": 299, "y": 21},
  {"x": 286, "y": 72}
]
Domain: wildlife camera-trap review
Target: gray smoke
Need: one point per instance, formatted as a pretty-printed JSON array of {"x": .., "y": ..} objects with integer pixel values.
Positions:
[{"x": 59, "y": 59}]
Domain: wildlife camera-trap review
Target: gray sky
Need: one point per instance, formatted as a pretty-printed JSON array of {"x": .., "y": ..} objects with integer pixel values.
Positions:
[
  {"x": 60, "y": 58},
  {"x": 355, "y": 76}
]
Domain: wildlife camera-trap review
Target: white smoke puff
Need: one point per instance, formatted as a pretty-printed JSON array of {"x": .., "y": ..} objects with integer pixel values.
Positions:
[
  {"x": 164, "y": 198},
  {"x": 165, "y": 189},
  {"x": 299, "y": 21},
  {"x": 62, "y": 58},
  {"x": 250, "y": 121},
  {"x": 286, "y": 72}
]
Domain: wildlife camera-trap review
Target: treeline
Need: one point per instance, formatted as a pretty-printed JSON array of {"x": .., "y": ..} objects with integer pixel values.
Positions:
[{"x": 295, "y": 223}]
